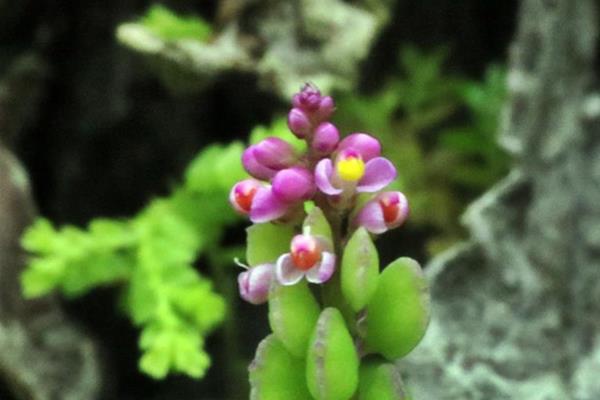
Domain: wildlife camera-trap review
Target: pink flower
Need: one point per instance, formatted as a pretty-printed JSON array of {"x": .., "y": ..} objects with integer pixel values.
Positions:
[
  {"x": 366, "y": 145},
  {"x": 254, "y": 167},
  {"x": 275, "y": 153},
  {"x": 326, "y": 138},
  {"x": 357, "y": 167},
  {"x": 254, "y": 283},
  {"x": 290, "y": 187},
  {"x": 242, "y": 195},
  {"x": 386, "y": 211},
  {"x": 294, "y": 184},
  {"x": 267, "y": 207},
  {"x": 264, "y": 159},
  {"x": 299, "y": 123},
  {"x": 310, "y": 256}
]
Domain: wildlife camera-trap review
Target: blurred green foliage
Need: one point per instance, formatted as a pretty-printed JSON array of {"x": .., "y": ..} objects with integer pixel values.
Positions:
[
  {"x": 441, "y": 130},
  {"x": 169, "y": 26},
  {"x": 151, "y": 258}
]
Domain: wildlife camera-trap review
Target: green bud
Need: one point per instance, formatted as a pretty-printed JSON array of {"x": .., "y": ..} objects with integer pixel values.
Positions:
[
  {"x": 293, "y": 313},
  {"x": 380, "y": 381},
  {"x": 398, "y": 313},
  {"x": 360, "y": 269},
  {"x": 318, "y": 224},
  {"x": 332, "y": 362},
  {"x": 266, "y": 242},
  {"x": 275, "y": 374}
]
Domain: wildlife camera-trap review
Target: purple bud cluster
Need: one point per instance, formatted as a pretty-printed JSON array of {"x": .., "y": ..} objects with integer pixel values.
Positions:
[{"x": 331, "y": 173}]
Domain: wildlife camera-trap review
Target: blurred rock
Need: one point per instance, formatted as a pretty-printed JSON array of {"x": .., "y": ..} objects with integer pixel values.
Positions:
[
  {"x": 44, "y": 356},
  {"x": 285, "y": 43},
  {"x": 517, "y": 309}
]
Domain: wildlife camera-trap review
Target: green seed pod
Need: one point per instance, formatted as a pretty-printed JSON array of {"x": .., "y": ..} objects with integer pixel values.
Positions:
[
  {"x": 318, "y": 224},
  {"x": 380, "y": 381},
  {"x": 398, "y": 313},
  {"x": 332, "y": 362},
  {"x": 266, "y": 242},
  {"x": 275, "y": 374},
  {"x": 293, "y": 313},
  {"x": 360, "y": 269}
]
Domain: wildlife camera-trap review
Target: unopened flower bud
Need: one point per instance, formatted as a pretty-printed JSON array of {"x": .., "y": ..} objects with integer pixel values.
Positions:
[
  {"x": 326, "y": 138},
  {"x": 299, "y": 123},
  {"x": 255, "y": 282},
  {"x": 275, "y": 153},
  {"x": 326, "y": 108},
  {"x": 386, "y": 211},
  {"x": 308, "y": 99},
  {"x": 366, "y": 145},
  {"x": 242, "y": 195},
  {"x": 293, "y": 184},
  {"x": 254, "y": 167}
]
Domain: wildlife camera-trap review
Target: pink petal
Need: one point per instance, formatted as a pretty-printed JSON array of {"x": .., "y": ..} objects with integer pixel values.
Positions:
[
  {"x": 323, "y": 270},
  {"x": 254, "y": 283},
  {"x": 285, "y": 271},
  {"x": 254, "y": 167},
  {"x": 366, "y": 145},
  {"x": 323, "y": 173},
  {"x": 266, "y": 207},
  {"x": 379, "y": 172},
  {"x": 371, "y": 217},
  {"x": 293, "y": 184}
]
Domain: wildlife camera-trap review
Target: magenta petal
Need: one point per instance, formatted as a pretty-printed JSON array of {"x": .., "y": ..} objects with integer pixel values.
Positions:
[
  {"x": 266, "y": 207},
  {"x": 371, "y": 217},
  {"x": 326, "y": 138},
  {"x": 299, "y": 123},
  {"x": 323, "y": 173},
  {"x": 293, "y": 184},
  {"x": 254, "y": 167},
  {"x": 285, "y": 271},
  {"x": 379, "y": 172},
  {"x": 323, "y": 270},
  {"x": 274, "y": 153},
  {"x": 366, "y": 145}
]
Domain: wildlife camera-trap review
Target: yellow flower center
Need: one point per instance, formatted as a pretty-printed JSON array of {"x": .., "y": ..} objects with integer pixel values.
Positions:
[{"x": 350, "y": 169}]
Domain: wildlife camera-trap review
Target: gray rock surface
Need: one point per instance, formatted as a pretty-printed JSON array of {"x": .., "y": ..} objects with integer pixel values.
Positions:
[
  {"x": 282, "y": 42},
  {"x": 44, "y": 356},
  {"x": 516, "y": 310}
]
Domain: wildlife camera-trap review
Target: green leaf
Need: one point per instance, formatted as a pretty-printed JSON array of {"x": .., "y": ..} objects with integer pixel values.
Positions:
[
  {"x": 217, "y": 167},
  {"x": 360, "y": 269},
  {"x": 275, "y": 374},
  {"x": 170, "y": 26},
  {"x": 318, "y": 224},
  {"x": 332, "y": 362},
  {"x": 380, "y": 381},
  {"x": 266, "y": 242},
  {"x": 398, "y": 313},
  {"x": 293, "y": 313},
  {"x": 150, "y": 256},
  {"x": 171, "y": 347}
]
